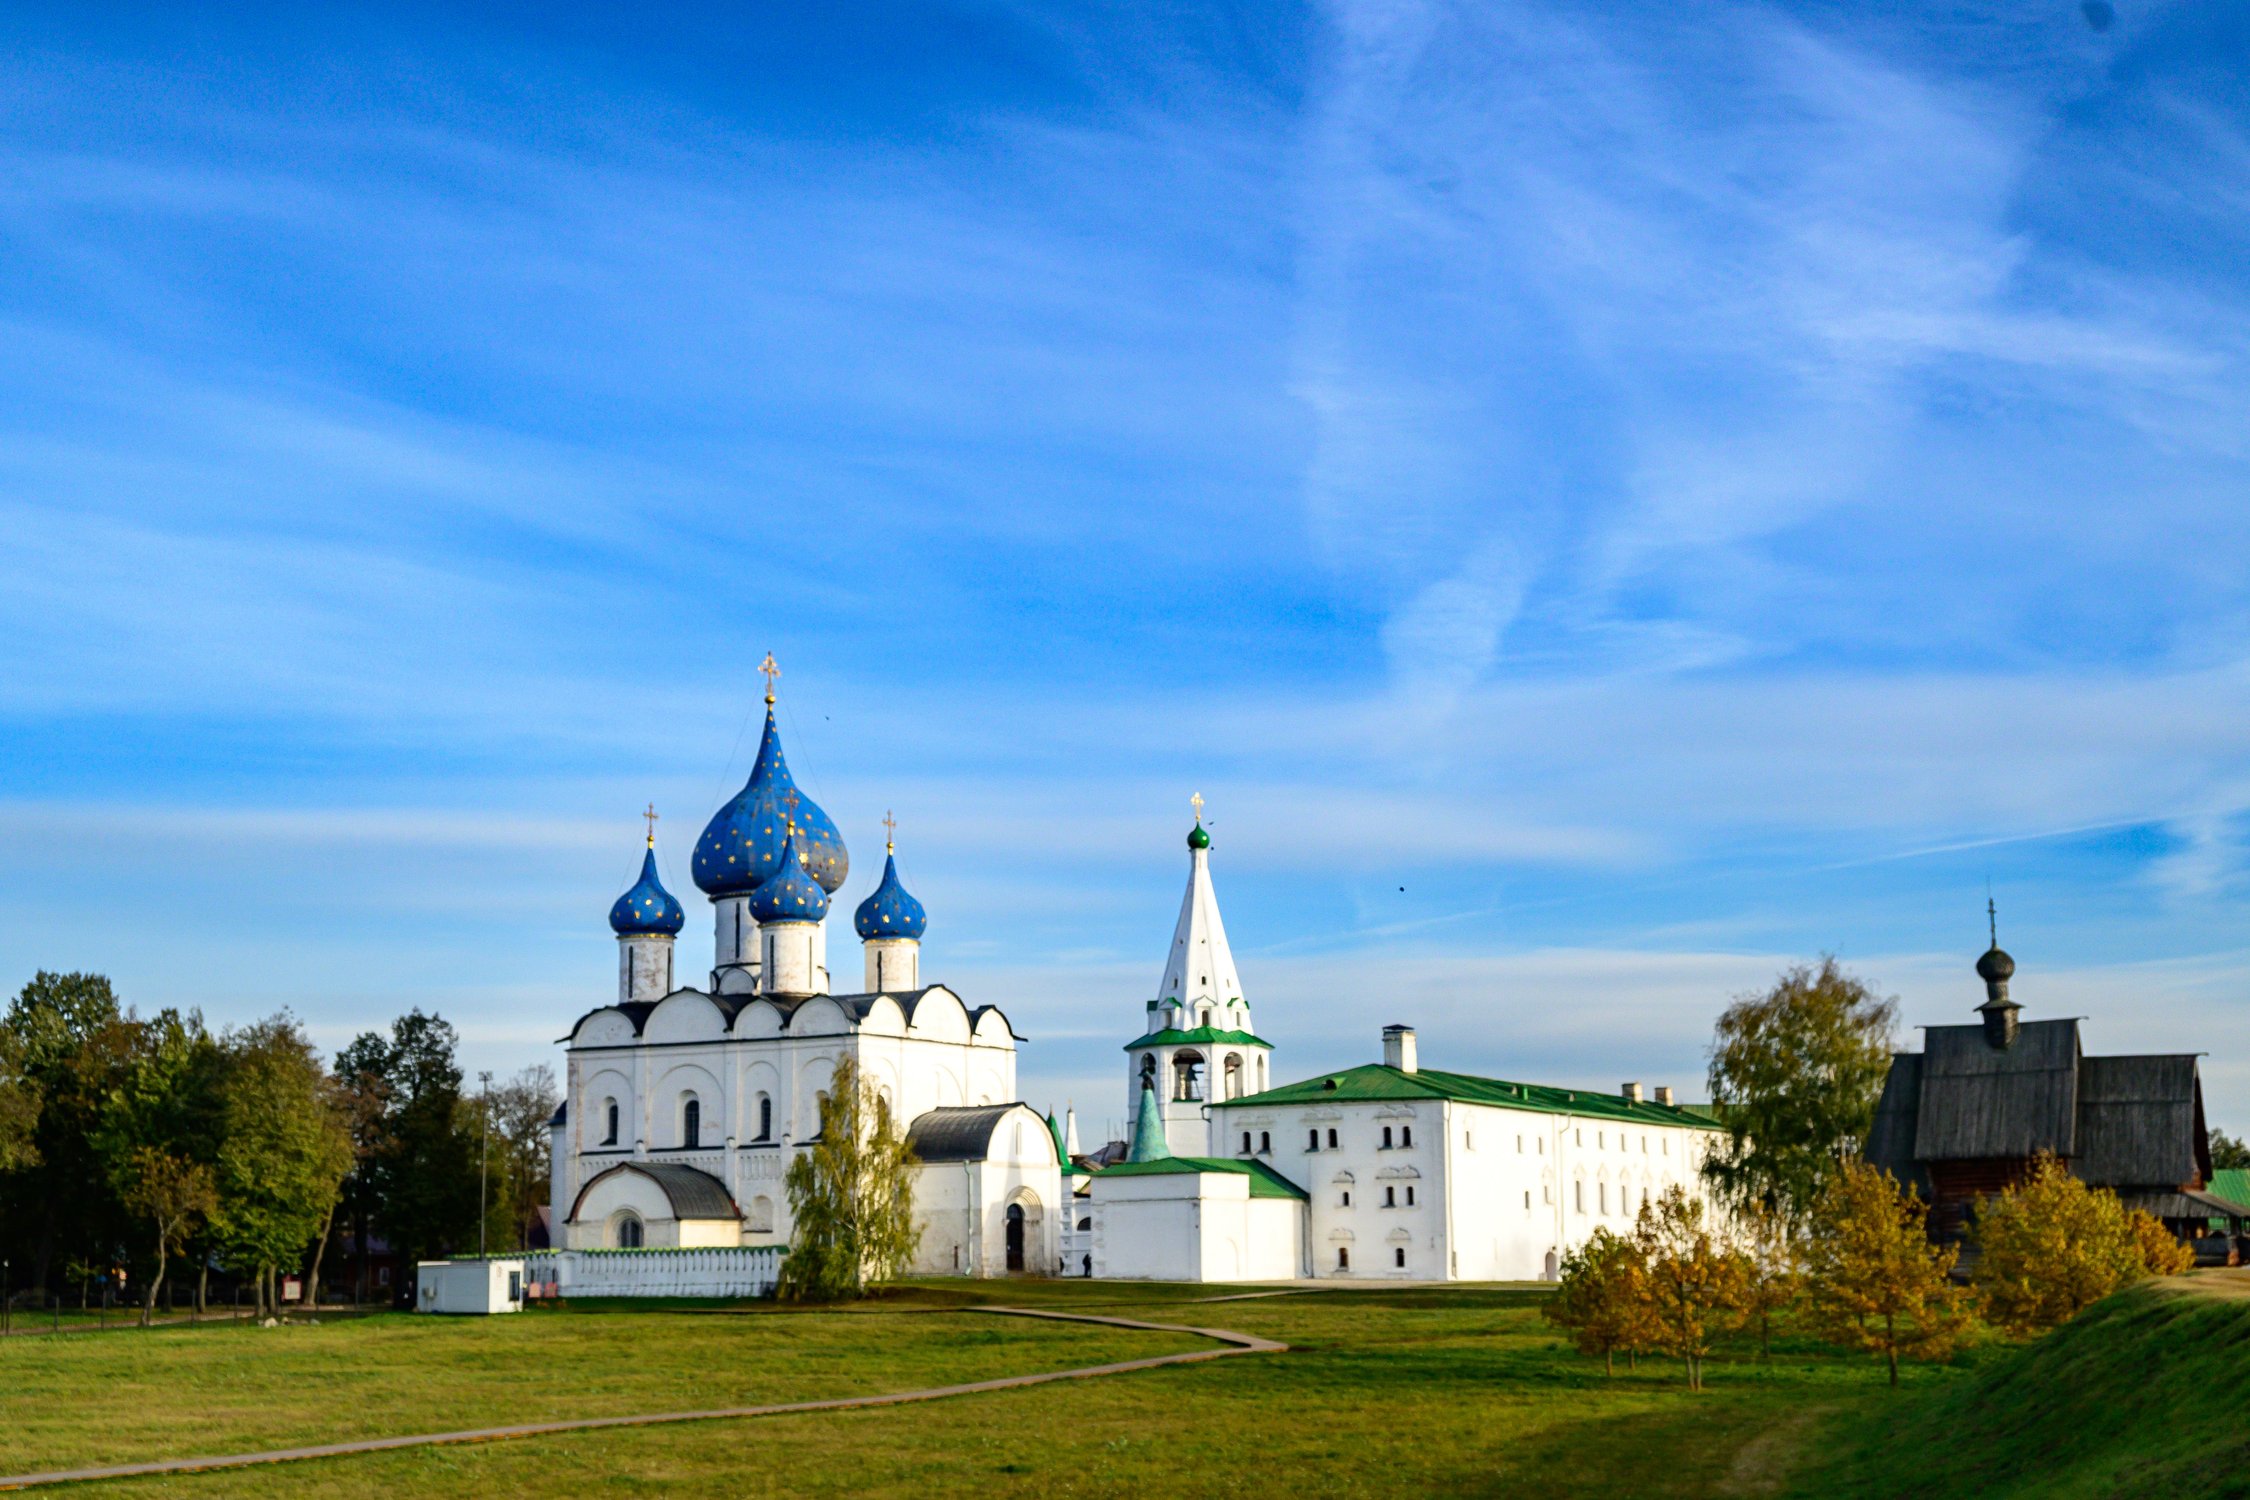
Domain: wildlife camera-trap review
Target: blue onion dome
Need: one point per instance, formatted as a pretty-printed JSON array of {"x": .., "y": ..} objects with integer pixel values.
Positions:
[
  {"x": 790, "y": 894},
  {"x": 742, "y": 843},
  {"x": 648, "y": 907},
  {"x": 891, "y": 911}
]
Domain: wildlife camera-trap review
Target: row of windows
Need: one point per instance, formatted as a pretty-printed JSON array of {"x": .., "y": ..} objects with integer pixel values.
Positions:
[
  {"x": 1344, "y": 1257},
  {"x": 1601, "y": 1142},
  {"x": 1390, "y": 1196},
  {"x": 691, "y": 1121}
]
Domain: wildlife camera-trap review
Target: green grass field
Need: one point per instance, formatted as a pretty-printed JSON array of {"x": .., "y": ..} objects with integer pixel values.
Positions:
[{"x": 1451, "y": 1391}]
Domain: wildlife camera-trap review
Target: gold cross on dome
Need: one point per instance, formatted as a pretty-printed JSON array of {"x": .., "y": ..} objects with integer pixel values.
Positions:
[
  {"x": 789, "y": 800},
  {"x": 1196, "y": 802},
  {"x": 651, "y": 816},
  {"x": 772, "y": 671},
  {"x": 890, "y": 832}
]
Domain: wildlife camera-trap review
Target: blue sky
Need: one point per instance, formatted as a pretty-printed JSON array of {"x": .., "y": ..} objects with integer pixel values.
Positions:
[{"x": 1603, "y": 501}]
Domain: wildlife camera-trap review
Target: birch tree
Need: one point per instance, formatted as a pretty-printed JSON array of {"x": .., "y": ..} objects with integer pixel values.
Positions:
[{"x": 851, "y": 1195}]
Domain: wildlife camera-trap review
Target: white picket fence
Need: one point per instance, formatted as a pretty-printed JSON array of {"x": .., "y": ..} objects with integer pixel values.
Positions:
[{"x": 729, "y": 1271}]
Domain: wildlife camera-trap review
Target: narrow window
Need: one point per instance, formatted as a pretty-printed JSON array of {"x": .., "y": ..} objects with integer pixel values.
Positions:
[
  {"x": 1312, "y": 1139},
  {"x": 1246, "y": 1143},
  {"x": 1542, "y": 1143},
  {"x": 765, "y": 1118},
  {"x": 1265, "y": 1142},
  {"x": 1410, "y": 1195},
  {"x": 1519, "y": 1145},
  {"x": 611, "y": 1111},
  {"x": 1331, "y": 1140},
  {"x": 1400, "y": 1262},
  {"x": 1343, "y": 1258},
  {"x": 1580, "y": 1194},
  {"x": 691, "y": 1124},
  {"x": 1600, "y": 1140},
  {"x": 1469, "y": 1139},
  {"x": 1386, "y": 1137},
  {"x": 1406, "y": 1135},
  {"x": 1347, "y": 1198},
  {"x": 1527, "y": 1200},
  {"x": 1667, "y": 1145},
  {"x": 1578, "y": 1137},
  {"x": 1390, "y": 1197},
  {"x": 1603, "y": 1190}
]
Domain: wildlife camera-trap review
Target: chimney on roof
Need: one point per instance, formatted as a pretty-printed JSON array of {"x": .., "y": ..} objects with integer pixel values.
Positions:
[
  {"x": 1664, "y": 1093},
  {"x": 1632, "y": 1093},
  {"x": 1398, "y": 1048}
]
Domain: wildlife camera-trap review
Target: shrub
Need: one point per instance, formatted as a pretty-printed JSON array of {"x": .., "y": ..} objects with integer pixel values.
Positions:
[{"x": 2051, "y": 1247}]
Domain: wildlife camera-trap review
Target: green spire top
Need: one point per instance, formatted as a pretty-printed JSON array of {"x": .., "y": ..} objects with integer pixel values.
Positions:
[
  {"x": 1148, "y": 1129},
  {"x": 1062, "y": 1152},
  {"x": 1197, "y": 838}
]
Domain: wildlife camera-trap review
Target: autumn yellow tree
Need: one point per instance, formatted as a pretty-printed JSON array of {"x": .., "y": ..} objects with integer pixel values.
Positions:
[
  {"x": 2162, "y": 1253},
  {"x": 2050, "y": 1247},
  {"x": 1873, "y": 1279},
  {"x": 1602, "y": 1298},
  {"x": 1699, "y": 1284},
  {"x": 1776, "y": 1255}
]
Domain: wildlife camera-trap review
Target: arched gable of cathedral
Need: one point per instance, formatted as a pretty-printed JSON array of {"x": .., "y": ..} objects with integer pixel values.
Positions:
[
  {"x": 819, "y": 1016},
  {"x": 937, "y": 1015},
  {"x": 685, "y": 1016},
  {"x": 760, "y": 1018}
]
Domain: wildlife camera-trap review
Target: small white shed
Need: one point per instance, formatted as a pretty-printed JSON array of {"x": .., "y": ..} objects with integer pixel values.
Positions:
[{"x": 469, "y": 1286}]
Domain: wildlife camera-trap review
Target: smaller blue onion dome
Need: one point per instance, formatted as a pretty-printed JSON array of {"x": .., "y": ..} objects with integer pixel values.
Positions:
[
  {"x": 891, "y": 911},
  {"x": 648, "y": 907},
  {"x": 789, "y": 894}
]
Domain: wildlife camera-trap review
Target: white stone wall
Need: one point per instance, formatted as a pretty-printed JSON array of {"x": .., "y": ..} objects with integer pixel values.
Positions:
[
  {"x": 962, "y": 1207},
  {"x": 1494, "y": 1192},
  {"x": 939, "y": 1058},
  {"x": 1195, "y": 1226}
]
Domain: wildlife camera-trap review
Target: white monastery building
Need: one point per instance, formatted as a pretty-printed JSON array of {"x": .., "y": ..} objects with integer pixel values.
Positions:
[{"x": 685, "y": 1104}]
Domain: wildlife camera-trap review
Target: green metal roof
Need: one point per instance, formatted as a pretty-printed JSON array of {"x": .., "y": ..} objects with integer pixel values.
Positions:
[
  {"x": 1265, "y": 1182},
  {"x": 2230, "y": 1183},
  {"x": 1373, "y": 1081},
  {"x": 1172, "y": 1036}
]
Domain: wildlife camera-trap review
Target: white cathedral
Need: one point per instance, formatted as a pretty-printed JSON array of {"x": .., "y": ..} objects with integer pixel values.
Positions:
[{"x": 683, "y": 1106}]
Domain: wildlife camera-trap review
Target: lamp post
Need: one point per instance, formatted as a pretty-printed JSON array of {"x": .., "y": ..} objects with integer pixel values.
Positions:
[{"x": 484, "y": 1155}]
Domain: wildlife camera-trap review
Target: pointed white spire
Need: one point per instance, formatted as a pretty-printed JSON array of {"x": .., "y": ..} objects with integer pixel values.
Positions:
[
  {"x": 1070, "y": 1132},
  {"x": 1200, "y": 968}
]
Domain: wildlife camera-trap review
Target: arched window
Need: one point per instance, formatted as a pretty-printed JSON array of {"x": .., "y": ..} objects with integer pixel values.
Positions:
[
  {"x": 1331, "y": 1140},
  {"x": 1390, "y": 1196},
  {"x": 1246, "y": 1143},
  {"x": 1234, "y": 1075},
  {"x": 629, "y": 1232},
  {"x": 1343, "y": 1257},
  {"x": 691, "y": 1121},
  {"x": 1187, "y": 1076},
  {"x": 1406, "y": 1135},
  {"x": 1347, "y": 1203},
  {"x": 1410, "y": 1195},
  {"x": 1580, "y": 1192},
  {"x": 609, "y": 1114},
  {"x": 1265, "y": 1142},
  {"x": 765, "y": 1117},
  {"x": 1386, "y": 1137},
  {"x": 1602, "y": 1189},
  {"x": 1312, "y": 1139},
  {"x": 1084, "y": 1225},
  {"x": 1400, "y": 1253},
  {"x": 1261, "y": 1072}
]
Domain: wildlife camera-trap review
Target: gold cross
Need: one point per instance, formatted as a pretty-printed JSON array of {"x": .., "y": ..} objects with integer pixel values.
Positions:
[
  {"x": 890, "y": 832},
  {"x": 789, "y": 801},
  {"x": 651, "y": 816},
  {"x": 772, "y": 671},
  {"x": 1196, "y": 801}
]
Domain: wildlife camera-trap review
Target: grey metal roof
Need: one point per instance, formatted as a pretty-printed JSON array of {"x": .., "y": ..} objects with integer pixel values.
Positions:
[
  {"x": 2137, "y": 1120},
  {"x": 958, "y": 1133},
  {"x": 2185, "y": 1203},
  {"x": 693, "y": 1194},
  {"x": 1980, "y": 1102}
]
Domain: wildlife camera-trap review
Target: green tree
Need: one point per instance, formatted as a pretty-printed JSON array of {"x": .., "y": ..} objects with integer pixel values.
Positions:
[
  {"x": 20, "y": 1096},
  {"x": 852, "y": 1196},
  {"x": 165, "y": 1109},
  {"x": 1699, "y": 1286},
  {"x": 1775, "y": 1252},
  {"x": 2050, "y": 1247},
  {"x": 1874, "y": 1281},
  {"x": 284, "y": 1151},
  {"x": 74, "y": 1044},
  {"x": 521, "y": 1108},
  {"x": 415, "y": 1161},
  {"x": 171, "y": 1193},
  {"x": 1795, "y": 1074},
  {"x": 1602, "y": 1297},
  {"x": 2227, "y": 1151}
]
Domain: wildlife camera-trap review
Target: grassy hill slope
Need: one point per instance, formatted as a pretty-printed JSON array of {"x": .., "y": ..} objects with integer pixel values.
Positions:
[{"x": 2143, "y": 1395}]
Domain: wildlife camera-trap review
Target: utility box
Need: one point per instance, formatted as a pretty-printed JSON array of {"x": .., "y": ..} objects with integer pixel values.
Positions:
[{"x": 468, "y": 1287}]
